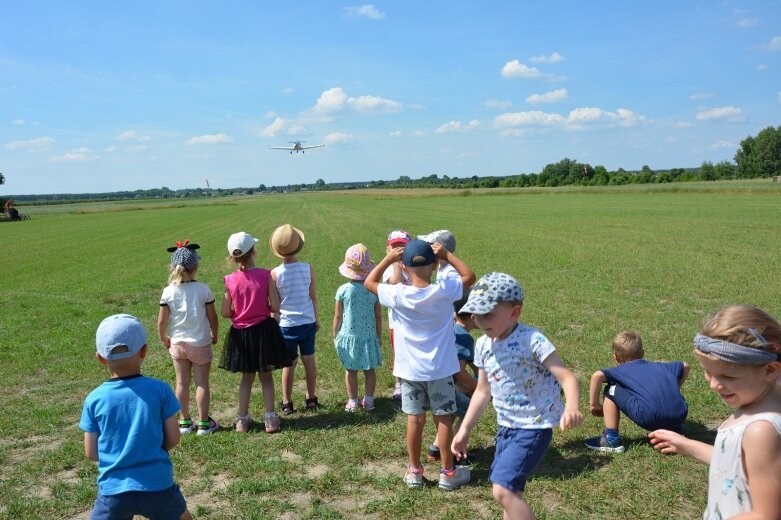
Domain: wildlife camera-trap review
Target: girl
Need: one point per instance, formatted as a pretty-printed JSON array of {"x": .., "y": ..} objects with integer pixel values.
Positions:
[
  {"x": 254, "y": 342},
  {"x": 358, "y": 342},
  {"x": 188, "y": 305},
  {"x": 738, "y": 349}
]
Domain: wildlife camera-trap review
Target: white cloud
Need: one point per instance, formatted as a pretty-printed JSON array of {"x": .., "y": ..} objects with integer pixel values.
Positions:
[
  {"x": 288, "y": 90},
  {"x": 516, "y": 69},
  {"x": 728, "y": 113},
  {"x": 533, "y": 118},
  {"x": 456, "y": 126},
  {"x": 701, "y": 95},
  {"x": 82, "y": 154},
  {"x": 722, "y": 144},
  {"x": 501, "y": 104},
  {"x": 683, "y": 124},
  {"x": 274, "y": 128},
  {"x": 513, "y": 132},
  {"x": 774, "y": 44},
  {"x": 337, "y": 137},
  {"x": 748, "y": 22},
  {"x": 761, "y": 67},
  {"x": 132, "y": 135},
  {"x": 31, "y": 145},
  {"x": 111, "y": 149},
  {"x": 548, "y": 97},
  {"x": 335, "y": 99},
  {"x": 270, "y": 114},
  {"x": 19, "y": 122},
  {"x": 550, "y": 58},
  {"x": 210, "y": 139},
  {"x": 418, "y": 133},
  {"x": 367, "y": 10},
  {"x": 395, "y": 133},
  {"x": 579, "y": 118}
]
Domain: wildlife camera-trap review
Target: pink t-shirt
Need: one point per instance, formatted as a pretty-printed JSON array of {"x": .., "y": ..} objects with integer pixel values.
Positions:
[{"x": 249, "y": 293}]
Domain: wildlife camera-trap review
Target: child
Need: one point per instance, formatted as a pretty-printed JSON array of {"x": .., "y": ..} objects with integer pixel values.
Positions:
[
  {"x": 295, "y": 282},
  {"x": 189, "y": 306},
  {"x": 519, "y": 368},
  {"x": 739, "y": 351},
  {"x": 357, "y": 327},
  {"x": 254, "y": 342},
  {"x": 448, "y": 241},
  {"x": 647, "y": 392},
  {"x": 425, "y": 349},
  {"x": 129, "y": 425},
  {"x": 393, "y": 275}
]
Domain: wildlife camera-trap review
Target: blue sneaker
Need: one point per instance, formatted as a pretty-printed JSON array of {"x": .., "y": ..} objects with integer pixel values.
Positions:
[{"x": 601, "y": 443}]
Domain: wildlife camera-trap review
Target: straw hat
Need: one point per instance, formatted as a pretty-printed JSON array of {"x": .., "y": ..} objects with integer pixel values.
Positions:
[
  {"x": 357, "y": 263},
  {"x": 286, "y": 241}
]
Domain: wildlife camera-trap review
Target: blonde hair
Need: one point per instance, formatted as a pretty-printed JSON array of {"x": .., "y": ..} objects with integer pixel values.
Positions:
[
  {"x": 179, "y": 274},
  {"x": 744, "y": 325},
  {"x": 628, "y": 346},
  {"x": 243, "y": 259}
]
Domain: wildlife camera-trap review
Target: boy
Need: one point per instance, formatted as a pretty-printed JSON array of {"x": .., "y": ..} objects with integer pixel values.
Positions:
[
  {"x": 425, "y": 349},
  {"x": 448, "y": 241},
  {"x": 129, "y": 425},
  {"x": 646, "y": 392},
  {"x": 519, "y": 368}
]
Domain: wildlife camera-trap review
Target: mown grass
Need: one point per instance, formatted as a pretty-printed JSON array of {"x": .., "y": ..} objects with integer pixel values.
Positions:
[{"x": 654, "y": 261}]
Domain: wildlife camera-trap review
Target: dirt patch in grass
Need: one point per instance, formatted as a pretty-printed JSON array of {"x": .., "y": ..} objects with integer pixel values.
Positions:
[
  {"x": 384, "y": 468},
  {"x": 30, "y": 447}
]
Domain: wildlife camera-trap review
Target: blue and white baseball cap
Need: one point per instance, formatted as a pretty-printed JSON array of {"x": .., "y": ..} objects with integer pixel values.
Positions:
[
  {"x": 119, "y": 330},
  {"x": 490, "y": 290}
]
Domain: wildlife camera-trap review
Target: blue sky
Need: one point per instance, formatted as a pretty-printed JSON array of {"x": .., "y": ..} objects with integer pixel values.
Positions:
[{"x": 100, "y": 96}]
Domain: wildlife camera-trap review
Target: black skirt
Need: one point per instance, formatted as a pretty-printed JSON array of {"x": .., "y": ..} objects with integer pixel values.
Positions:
[{"x": 258, "y": 348}]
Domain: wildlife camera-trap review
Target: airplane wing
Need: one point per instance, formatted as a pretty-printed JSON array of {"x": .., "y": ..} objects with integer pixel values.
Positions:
[
  {"x": 282, "y": 148},
  {"x": 315, "y": 146}
]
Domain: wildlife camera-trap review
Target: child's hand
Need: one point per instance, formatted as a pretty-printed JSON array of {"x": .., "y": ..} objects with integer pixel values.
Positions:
[
  {"x": 570, "y": 419},
  {"x": 439, "y": 251},
  {"x": 395, "y": 254},
  {"x": 668, "y": 442},
  {"x": 458, "y": 446},
  {"x": 214, "y": 339},
  {"x": 167, "y": 342},
  {"x": 596, "y": 410}
]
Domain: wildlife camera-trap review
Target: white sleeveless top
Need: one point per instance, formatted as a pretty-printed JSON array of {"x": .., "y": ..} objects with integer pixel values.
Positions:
[
  {"x": 728, "y": 493},
  {"x": 295, "y": 305}
]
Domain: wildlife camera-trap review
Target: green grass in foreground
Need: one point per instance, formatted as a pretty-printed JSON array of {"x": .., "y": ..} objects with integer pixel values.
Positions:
[{"x": 655, "y": 261}]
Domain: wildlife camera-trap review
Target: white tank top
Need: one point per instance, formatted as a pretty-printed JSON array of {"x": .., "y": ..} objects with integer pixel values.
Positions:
[{"x": 295, "y": 305}]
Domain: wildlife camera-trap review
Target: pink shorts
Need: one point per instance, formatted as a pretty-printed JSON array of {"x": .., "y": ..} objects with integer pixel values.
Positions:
[{"x": 195, "y": 355}]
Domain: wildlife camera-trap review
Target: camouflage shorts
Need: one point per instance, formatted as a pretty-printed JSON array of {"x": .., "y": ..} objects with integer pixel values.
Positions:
[{"x": 439, "y": 396}]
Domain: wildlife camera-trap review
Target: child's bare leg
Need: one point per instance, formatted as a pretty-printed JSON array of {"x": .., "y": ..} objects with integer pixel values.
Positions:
[
  {"x": 182, "y": 368},
  {"x": 415, "y": 425},
  {"x": 351, "y": 382},
  {"x": 287, "y": 382},
  {"x": 267, "y": 384},
  {"x": 245, "y": 391},
  {"x": 611, "y": 413},
  {"x": 310, "y": 372},
  {"x": 186, "y": 515},
  {"x": 202, "y": 391},
  {"x": 444, "y": 438},
  {"x": 513, "y": 504},
  {"x": 369, "y": 381}
]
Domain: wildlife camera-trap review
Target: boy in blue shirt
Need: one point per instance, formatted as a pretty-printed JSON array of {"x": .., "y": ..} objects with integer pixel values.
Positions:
[
  {"x": 129, "y": 425},
  {"x": 646, "y": 392}
]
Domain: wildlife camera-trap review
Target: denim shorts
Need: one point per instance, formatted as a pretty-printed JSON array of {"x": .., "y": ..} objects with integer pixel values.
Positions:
[
  {"x": 518, "y": 451},
  {"x": 155, "y": 505},
  {"x": 300, "y": 338},
  {"x": 439, "y": 396}
]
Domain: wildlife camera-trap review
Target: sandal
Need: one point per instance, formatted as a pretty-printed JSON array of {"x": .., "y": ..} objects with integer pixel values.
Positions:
[
  {"x": 312, "y": 403},
  {"x": 207, "y": 427},
  {"x": 186, "y": 426},
  {"x": 287, "y": 407}
]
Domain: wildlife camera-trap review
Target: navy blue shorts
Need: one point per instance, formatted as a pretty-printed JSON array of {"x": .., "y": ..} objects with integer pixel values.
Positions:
[
  {"x": 300, "y": 338},
  {"x": 163, "y": 505},
  {"x": 518, "y": 451},
  {"x": 641, "y": 414}
]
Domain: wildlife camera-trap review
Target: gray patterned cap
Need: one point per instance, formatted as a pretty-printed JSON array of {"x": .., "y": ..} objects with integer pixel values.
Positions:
[{"x": 490, "y": 290}]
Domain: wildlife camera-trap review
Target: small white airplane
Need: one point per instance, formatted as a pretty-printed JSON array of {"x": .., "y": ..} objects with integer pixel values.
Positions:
[{"x": 296, "y": 147}]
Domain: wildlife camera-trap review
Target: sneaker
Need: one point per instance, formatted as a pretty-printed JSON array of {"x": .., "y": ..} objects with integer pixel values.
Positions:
[
  {"x": 242, "y": 423},
  {"x": 207, "y": 427},
  {"x": 414, "y": 477},
  {"x": 466, "y": 461},
  {"x": 433, "y": 453},
  {"x": 397, "y": 392},
  {"x": 454, "y": 478},
  {"x": 602, "y": 444},
  {"x": 367, "y": 403},
  {"x": 271, "y": 422},
  {"x": 351, "y": 406},
  {"x": 186, "y": 426}
]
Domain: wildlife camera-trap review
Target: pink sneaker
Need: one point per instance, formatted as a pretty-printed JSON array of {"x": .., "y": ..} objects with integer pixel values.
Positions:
[
  {"x": 272, "y": 422},
  {"x": 368, "y": 403}
]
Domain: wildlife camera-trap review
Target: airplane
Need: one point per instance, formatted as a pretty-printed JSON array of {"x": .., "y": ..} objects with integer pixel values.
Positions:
[{"x": 296, "y": 147}]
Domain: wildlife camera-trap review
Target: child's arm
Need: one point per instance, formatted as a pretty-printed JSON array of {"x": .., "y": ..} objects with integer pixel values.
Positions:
[
  {"x": 373, "y": 280},
  {"x": 569, "y": 384},
  {"x": 464, "y": 380},
  {"x": 91, "y": 445},
  {"x": 671, "y": 442},
  {"x": 214, "y": 323},
  {"x": 762, "y": 462},
  {"x": 464, "y": 271},
  {"x": 162, "y": 325},
  {"x": 313, "y": 295},
  {"x": 171, "y": 433},
  {"x": 273, "y": 299},
  {"x": 396, "y": 277},
  {"x": 274, "y": 312},
  {"x": 598, "y": 380},
  {"x": 337, "y": 319},
  {"x": 685, "y": 374},
  {"x": 227, "y": 305},
  {"x": 477, "y": 405},
  {"x": 378, "y": 319}
]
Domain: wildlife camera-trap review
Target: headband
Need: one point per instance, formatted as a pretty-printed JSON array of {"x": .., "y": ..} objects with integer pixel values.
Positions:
[{"x": 732, "y": 352}]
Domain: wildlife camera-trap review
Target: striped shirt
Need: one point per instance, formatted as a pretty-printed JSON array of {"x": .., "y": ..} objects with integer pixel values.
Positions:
[{"x": 295, "y": 305}]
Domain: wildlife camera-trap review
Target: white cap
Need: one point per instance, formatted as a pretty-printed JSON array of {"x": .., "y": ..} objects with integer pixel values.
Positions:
[{"x": 240, "y": 243}]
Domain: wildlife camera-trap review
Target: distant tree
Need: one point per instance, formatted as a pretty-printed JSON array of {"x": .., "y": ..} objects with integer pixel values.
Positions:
[
  {"x": 262, "y": 188},
  {"x": 647, "y": 169},
  {"x": 724, "y": 170},
  {"x": 2, "y": 179},
  {"x": 707, "y": 173},
  {"x": 760, "y": 156},
  {"x": 319, "y": 184}
]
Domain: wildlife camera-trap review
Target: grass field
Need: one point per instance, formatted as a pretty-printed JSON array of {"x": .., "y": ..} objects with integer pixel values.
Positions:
[{"x": 592, "y": 262}]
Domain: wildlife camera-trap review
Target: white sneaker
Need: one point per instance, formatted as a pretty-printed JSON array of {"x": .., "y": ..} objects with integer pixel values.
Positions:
[
  {"x": 461, "y": 475},
  {"x": 414, "y": 477},
  {"x": 207, "y": 427}
]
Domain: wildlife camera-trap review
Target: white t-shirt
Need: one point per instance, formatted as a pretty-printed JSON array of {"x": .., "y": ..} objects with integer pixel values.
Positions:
[
  {"x": 404, "y": 280},
  {"x": 187, "y": 303},
  {"x": 424, "y": 339},
  {"x": 447, "y": 271}
]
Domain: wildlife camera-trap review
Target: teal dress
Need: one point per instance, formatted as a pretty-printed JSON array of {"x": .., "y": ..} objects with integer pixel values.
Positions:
[{"x": 357, "y": 344}]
